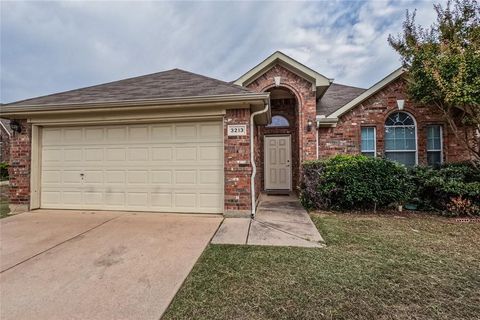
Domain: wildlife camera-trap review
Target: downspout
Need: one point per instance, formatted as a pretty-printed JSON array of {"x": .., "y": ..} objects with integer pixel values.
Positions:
[{"x": 252, "y": 157}]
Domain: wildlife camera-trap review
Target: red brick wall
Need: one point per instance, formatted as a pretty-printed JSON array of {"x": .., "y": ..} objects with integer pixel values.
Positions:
[
  {"x": 19, "y": 170},
  {"x": 306, "y": 101},
  {"x": 238, "y": 169},
  {"x": 345, "y": 137}
]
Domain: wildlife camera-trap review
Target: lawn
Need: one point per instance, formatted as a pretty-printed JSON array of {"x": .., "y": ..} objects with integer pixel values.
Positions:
[
  {"x": 375, "y": 267},
  {"x": 4, "y": 209}
]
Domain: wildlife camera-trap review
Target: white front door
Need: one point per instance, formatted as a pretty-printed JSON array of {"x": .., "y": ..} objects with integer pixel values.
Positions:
[{"x": 278, "y": 158}]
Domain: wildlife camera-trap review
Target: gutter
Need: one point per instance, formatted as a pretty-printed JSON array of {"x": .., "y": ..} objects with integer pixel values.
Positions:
[
  {"x": 15, "y": 109},
  {"x": 252, "y": 157}
]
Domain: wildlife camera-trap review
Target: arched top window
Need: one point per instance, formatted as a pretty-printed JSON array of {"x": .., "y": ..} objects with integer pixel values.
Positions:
[
  {"x": 400, "y": 119},
  {"x": 279, "y": 121},
  {"x": 401, "y": 138}
]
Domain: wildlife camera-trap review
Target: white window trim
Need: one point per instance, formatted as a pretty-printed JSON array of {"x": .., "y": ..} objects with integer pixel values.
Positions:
[
  {"x": 441, "y": 142},
  {"x": 404, "y": 126},
  {"x": 374, "y": 141}
]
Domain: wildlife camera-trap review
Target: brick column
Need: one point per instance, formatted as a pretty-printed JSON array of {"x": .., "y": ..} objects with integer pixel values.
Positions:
[
  {"x": 238, "y": 168},
  {"x": 19, "y": 170}
]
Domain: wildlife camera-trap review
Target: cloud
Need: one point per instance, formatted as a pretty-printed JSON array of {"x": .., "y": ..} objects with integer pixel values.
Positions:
[{"x": 55, "y": 46}]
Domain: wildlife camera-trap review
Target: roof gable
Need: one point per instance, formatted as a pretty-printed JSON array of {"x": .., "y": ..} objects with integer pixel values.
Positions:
[
  {"x": 368, "y": 93},
  {"x": 317, "y": 79},
  {"x": 167, "y": 84}
]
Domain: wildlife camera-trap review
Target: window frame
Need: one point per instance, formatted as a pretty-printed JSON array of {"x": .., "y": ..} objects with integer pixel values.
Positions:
[
  {"x": 374, "y": 140},
  {"x": 415, "y": 126},
  {"x": 441, "y": 142}
]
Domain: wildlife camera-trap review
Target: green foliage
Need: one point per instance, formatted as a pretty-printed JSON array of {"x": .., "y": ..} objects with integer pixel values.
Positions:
[
  {"x": 447, "y": 189},
  {"x": 353, "y": 182},
  {"x": 443, "y": 64},
  {"x": 3, "y": 171}
]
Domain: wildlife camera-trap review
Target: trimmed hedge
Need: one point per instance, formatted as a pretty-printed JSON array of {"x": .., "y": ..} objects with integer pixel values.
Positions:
[{"x": 347, "y": 182}]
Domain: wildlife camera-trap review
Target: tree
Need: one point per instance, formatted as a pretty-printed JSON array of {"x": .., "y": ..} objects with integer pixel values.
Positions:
[{"x": 443, "y": 63}]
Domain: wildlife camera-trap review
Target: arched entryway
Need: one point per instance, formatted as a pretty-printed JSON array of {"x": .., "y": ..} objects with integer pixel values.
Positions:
[{"x": 279, "y": 143}]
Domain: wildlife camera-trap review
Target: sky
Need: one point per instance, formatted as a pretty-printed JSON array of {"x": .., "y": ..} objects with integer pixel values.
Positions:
[{"x": 49, "y": 47}]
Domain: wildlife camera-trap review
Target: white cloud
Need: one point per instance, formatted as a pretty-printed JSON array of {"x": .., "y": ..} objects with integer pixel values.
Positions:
[{"x": 51, "y": 47}]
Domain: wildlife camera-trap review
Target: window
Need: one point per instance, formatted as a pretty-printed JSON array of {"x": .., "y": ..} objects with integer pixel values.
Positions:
[
  {"x": 434, "y": 145},
  {"x": 401, "y": 138},
  {"x": 368, "y": 142},
  {"x": 279, "y": 121}
]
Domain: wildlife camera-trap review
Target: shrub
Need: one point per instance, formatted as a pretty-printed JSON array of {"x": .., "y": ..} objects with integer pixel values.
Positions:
[
  {"x": 459, "y": 206},
  {"x": 3, "y": 171},
  {"x": 448, "y": 188},
  {"x": 353, "y": 182}
]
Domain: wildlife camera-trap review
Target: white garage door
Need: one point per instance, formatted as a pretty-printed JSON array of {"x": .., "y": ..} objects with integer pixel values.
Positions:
[{"x": 174, "y": 167}]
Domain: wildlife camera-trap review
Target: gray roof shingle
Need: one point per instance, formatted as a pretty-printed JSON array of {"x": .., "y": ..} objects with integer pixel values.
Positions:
[
  {"x": 167, "y": 84},
  {"x": 336, "y": 97}
]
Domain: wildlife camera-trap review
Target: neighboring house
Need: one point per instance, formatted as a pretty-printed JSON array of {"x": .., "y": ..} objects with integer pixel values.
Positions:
[
  {"x": 5, "y": 135},
  {"x": 175, "y": 141}
]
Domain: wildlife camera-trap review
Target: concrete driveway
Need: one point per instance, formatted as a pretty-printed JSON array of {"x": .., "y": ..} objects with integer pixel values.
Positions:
[{"x": 97, "y": 265}]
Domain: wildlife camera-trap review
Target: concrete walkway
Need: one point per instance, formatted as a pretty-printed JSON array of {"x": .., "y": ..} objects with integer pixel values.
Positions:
[{"x": 280, "y": 221}]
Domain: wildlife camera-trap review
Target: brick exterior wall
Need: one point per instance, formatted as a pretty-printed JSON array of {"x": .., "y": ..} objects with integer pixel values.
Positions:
[
  {"x": 305, "y": 143},
  {"x": 345, "y": 137},
  {"x": 19, "y": 170},
  {"x": 238, "y": 168}
]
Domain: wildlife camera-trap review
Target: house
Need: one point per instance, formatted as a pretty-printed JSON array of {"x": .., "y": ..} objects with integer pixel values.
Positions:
[
  {"x": 175, "y": 141},
  {"x": 5, "y": 135}
]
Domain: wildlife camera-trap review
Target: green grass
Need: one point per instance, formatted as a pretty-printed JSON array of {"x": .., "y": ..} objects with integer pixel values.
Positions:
[
  {"x": 375, "y": 267},
  {"x": 4, "y": 209}
]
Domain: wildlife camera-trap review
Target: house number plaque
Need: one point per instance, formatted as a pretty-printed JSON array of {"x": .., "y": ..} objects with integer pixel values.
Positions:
[{"x": 237, "y": 130}]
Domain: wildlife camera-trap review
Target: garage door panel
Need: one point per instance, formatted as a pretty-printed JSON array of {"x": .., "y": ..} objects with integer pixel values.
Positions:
[
  {"x": 52, "y": 136},
  {"x": 52, "y": 155},
  {"x": 71, "y": 197},
  {"x": 209, "y": 200},
  {"x": 117, "y": 134},
  {"x": 185, "y": 154},
  {"x": 137, "y": 177},
  {"x": 116, "y": 154},
  {"x": 162, "y": 153},
  {"x": 161, "y": 177},
  {"x": 185, "y": 200},
  {"x": 162, "y": 133},
  {"x": 72, "y": 136},
  {"x": 211, "y": 130},
  {"x": 151, "y": 167},
  {"x": 94, "y": 135},
  {"x": 138, "y": 154}
]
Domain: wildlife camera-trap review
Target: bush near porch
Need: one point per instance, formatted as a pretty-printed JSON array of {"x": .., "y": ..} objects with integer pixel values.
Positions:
[{"x": 347, "y": 182}]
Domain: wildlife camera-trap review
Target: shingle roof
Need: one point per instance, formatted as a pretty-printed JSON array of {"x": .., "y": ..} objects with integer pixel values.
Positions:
[
  {"x": 337, "y": 96},
  {"x": 167, "y": 84}
]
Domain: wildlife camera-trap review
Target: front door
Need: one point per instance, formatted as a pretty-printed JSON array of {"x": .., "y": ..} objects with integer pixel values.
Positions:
[{"x": 278, "y": 158}]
